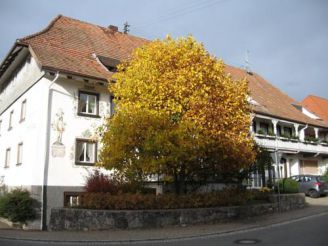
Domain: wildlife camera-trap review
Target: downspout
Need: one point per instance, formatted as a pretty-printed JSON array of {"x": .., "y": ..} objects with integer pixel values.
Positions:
[{"x": 46, "y": 157}]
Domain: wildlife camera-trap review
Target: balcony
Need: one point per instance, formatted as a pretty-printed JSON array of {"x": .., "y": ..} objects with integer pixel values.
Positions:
[{"x": 291, "y": 145}]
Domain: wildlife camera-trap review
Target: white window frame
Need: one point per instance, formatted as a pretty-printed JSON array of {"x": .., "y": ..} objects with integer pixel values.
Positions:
[
  {"x": 7, "y": 157},
  {"x": 23, "y": 110},
  {"x": 88, "y": 95},
  {"x": 20, "y": 153},
  {"x": 85, "y": 142},
  {"x": 111, "y": 105},
  {"x": 11, "y": 115}
]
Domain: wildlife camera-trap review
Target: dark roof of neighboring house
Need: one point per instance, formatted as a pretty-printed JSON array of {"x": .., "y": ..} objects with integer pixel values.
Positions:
[
  {"x": 76, "y": 47},
  {"x": 317, "y": 105}
]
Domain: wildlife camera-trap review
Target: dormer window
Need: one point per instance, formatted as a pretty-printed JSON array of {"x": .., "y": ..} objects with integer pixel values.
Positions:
[
  {"x": 109, "y": 63},
  {"x": 111, "y": 69}
]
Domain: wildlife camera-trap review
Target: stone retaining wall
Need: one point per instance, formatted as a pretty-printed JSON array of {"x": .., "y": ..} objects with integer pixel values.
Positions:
[{"x": 86, "y": 219}]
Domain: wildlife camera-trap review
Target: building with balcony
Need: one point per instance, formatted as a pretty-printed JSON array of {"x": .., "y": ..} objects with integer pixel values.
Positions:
[
  {"x": 53, "y": 96},
  {"x": 296, "y": 137}
]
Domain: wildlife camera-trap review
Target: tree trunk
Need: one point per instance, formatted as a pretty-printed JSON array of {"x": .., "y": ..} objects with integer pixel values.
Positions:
[
  {"x": 182, "y": 182},
  {"x": 176, "y": 182},
  {"x": 262, "y": 171}
]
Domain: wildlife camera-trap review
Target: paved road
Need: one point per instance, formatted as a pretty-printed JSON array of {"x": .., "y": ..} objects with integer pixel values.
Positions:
[{"x": 310, "y": 231}]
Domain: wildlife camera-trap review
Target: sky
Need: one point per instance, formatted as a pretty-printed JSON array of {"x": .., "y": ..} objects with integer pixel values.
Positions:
[{"x": 286, "y": 41}]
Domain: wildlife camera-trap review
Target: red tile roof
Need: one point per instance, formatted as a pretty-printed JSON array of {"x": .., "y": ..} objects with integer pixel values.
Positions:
[
  {"x": 271, "y": 100},
  {"x": 317, "y": 105},
  {"x": 70, "y": 45}
]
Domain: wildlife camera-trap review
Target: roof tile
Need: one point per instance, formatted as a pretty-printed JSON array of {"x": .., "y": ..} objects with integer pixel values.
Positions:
[
  {"x": 71, "y": 45},
  {"x": 317, "y": 105}
]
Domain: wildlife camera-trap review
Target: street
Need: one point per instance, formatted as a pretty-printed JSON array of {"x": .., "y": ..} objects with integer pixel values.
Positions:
[{"x": 302, "y": 232}]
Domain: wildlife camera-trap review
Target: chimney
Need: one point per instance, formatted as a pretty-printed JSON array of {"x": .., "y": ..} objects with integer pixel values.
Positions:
[{"x": 113, "y": 28}]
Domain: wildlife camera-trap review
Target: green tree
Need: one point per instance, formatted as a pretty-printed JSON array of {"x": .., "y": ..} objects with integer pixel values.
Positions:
[{"x": 264, "y": 162}]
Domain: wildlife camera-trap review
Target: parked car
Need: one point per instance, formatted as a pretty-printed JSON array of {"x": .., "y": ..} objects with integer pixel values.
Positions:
[{"x": 312, "y": 185}]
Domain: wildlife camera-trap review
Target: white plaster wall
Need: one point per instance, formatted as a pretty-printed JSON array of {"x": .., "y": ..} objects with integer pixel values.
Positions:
[
  {"x": 20, "y": 82},
  {"x": 322, "y": 166},
  {"x": 294, "y": 167},
  {"x": 62, "y": 170},
  {"x": 31, "y": 132}
]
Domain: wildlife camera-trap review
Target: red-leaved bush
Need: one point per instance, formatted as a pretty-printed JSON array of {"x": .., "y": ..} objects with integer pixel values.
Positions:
[
  {"x": 170, "y": 201},
  {"x": 99, "y": 182}
]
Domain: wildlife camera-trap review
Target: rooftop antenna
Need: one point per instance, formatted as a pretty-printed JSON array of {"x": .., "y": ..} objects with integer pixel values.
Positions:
[
  {"x": 126, "y": 28},
  {"x": 247, "y": 63}
]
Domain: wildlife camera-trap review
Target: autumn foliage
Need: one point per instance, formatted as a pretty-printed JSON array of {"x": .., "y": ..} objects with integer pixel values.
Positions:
[
  {"x": 229, "y": 197},
  {"x": 100, "y": 183},
  {"x": 179, "y": 116}
]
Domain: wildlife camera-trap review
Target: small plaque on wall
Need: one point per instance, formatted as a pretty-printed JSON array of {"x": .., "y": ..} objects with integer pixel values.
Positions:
[{"x": 57, "y": 150}]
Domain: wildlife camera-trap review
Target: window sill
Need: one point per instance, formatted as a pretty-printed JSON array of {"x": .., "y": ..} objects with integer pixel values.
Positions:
[
  {"x": 18, "y": 164},
  {"x": 6, "y": 167},
  {"x": 310, "y": 142},
  {"x": 259, "y": 135},
  {"x": 85, "y": 163},
  {"x": 22, "y": 120},
  {"x": 89, "y": 115},
  {"x": 10, "y": 128}
]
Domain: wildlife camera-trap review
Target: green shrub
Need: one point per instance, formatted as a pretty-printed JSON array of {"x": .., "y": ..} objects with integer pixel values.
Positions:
[
  {"x": 325, "y": 176},
  {"x": 229, "y": 197},
  {"x": 17, "y": 206},
  {"x": 287, "y": 185}
]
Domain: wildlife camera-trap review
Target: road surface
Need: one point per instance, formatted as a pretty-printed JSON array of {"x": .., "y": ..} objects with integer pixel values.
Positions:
[{"x": 310, "y": 231}]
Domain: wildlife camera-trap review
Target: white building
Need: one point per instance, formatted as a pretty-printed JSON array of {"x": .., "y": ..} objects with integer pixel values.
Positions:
[
  {"x": 297, "y": 139},
  {"x": 53, "y": 96}
]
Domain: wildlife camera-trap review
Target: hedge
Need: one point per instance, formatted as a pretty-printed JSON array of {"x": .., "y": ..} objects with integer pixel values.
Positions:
[
  {"x": 287, "y": 185},
  {"x": 128, "y": 201}
]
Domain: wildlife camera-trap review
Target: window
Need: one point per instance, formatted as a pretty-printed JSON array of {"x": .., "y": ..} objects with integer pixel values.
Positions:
[
  {"x": 254, "y": 126},
  {"x": 19, "y": 153},
  {"x": 88, "y": 104},
  {"x": 23, "y": 111},
  {"x": 111, "y": 105},
  {"x": 288, "y": 131},
  {"x": 11, "y": 120},
  {"x": 279, "y": 130},
  {"x": 86, "y": 152},
  {"x": 109, "y": 63},
  {"x": 264, "y": 127},
  {"x": 72, "y": 199},
  {"x": 7, "y": 160}
]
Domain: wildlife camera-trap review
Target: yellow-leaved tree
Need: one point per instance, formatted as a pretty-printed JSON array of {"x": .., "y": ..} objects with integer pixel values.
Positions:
[{"x": 179, "y": 117}]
